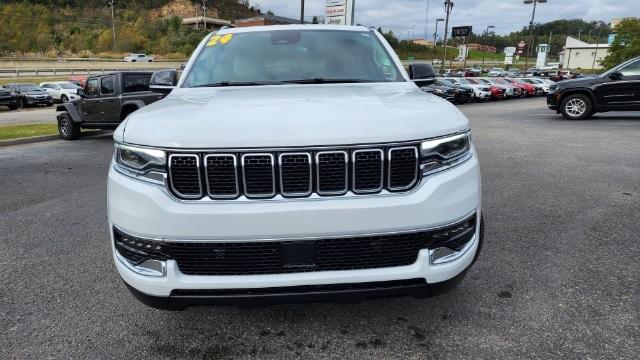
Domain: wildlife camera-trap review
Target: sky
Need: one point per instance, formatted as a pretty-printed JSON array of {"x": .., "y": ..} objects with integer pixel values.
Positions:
[{"x": 402, "y": 16}]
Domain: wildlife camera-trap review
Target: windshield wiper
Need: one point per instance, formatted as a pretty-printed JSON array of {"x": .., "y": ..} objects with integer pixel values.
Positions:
[
  {"x": 239, "y": 83},
  {"x": 327, "y": 81}
]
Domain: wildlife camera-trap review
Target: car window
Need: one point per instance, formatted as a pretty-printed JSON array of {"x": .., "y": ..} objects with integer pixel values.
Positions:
[
  {"x": 92, "y": 87},
  {"x": 632, "y": 69},
  {"x": 290, "y": 55},
  {"x": 136, "y": 82},
  {"x": 106, "y": 85}
]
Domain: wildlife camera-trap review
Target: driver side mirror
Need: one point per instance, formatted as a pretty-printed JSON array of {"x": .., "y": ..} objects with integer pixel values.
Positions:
[
  {"x": 163, "y": 81},
  {"x": 422, "y": 74},
  {"x": 80, "y": 92},
  {"x": 616, "y": 75}
]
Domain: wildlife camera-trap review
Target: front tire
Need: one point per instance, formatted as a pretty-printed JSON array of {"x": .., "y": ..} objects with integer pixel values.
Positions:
[
  {"x": 21, "y": 104},
  {"x": 576, "y": 107},
  {"x": 68, "y": 129},
  {"x": 13, "y": 106},
  {"x": 64, "y": 98}
]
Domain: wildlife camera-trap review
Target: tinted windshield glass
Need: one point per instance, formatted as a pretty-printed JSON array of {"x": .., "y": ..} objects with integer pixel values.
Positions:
[
  {"x": 293, "y": 55},
  {"x": 29, "y": 87},
  {"x": 68, "y": 86}
]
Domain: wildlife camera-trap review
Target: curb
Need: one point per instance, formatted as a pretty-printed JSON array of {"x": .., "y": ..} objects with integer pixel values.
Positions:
[{"x": 37, "y": 139}]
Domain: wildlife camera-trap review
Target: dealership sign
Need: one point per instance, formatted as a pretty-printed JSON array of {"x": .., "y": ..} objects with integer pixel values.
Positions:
[
  {"x": 338, "y": 12},
  {"x": 461, "y": 31}
]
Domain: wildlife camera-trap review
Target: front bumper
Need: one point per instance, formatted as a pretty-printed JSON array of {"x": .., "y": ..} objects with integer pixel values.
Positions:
[
  {"x": 36, "y": 101},
  {"x": 552, "y": 101},
  {"x": 149, "y": 211}
]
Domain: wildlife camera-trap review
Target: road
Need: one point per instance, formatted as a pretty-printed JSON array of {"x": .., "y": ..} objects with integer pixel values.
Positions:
[
  {"x": 558, "y": 277},
  {"x": 34, "y": 115}
]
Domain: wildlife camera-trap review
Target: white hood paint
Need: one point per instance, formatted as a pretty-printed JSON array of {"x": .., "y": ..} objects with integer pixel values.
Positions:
[{"x": 291, "y": 116}]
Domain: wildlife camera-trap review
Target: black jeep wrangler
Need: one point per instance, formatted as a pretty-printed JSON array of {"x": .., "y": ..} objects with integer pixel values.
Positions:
[
  {"x": 616, "y": 90},
  {"x": 105, "y": 101}
]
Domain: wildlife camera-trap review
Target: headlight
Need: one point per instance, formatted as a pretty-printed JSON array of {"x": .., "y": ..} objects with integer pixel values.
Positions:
[
  {"x": 443, "y": 153},
  {"x": 144, "y": 163}
]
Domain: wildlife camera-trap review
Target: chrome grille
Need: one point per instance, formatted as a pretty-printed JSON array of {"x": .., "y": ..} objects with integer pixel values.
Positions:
[
  {"x": 184, "y": 173},
  {"x": 258, "y": 175},
  {"x": 403, "y": 167},
  {"x": 294, "y": 174},
  {"x": 331, "y": 167},
  {"x": 222, "y": 176},
  {"x": 368, "y": 168}
]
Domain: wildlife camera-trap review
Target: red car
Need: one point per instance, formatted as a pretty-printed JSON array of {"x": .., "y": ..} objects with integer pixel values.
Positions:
[{"x": 529, "y": 88}]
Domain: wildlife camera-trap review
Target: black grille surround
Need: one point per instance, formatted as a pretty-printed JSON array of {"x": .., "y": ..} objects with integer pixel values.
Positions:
[
  {"x": 297, "y": 173},
  {"x": 297, "y": 256}
]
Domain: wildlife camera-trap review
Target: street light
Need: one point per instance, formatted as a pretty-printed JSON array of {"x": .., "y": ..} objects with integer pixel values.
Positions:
[
  {"x": 301, "y": 11},
  {"x": 435, "y": 39},
  {"x": 486, "y": 34},
  {"x": 448, "y": 6},
  {"x": 533, "y": 17}
]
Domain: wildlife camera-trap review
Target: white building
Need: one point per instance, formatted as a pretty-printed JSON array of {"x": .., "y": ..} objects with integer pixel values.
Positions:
[{"x": 581, "y": 55}]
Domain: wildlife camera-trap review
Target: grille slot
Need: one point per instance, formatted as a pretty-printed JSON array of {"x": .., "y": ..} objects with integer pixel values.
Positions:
[
  {"x": 368, "y": 168},
  {"x": 403, "y": 168},
  {"x": 222, "y": 176},
  {"x": 332, "y": 172},
  {"x": 295, "y": 174},
  {"x": 258, "y": 175},
  {"x": 184, "y": 170}
]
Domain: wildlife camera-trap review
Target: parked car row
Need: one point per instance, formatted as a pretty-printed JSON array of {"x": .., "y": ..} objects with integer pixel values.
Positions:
[{"x": 20, "y": 95}]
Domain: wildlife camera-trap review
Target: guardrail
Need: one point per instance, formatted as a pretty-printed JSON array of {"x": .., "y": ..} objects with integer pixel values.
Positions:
[{"x": 71, "y": 71}]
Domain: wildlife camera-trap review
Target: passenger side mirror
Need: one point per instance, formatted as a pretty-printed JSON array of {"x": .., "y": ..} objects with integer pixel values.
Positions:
[
  {"x": 422, "y": 74},
  {"x": 163, "y": 81},
  {"x": 616, "y": 75},
  {"x": 80, "y": 92}
]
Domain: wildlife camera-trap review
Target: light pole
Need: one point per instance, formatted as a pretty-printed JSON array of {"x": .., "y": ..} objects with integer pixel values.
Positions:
[
  {"x": 426, "y": 22},
  {"x": 113, "y": 24},
  {"x": 204, "y": 14},
  {"x": 486, "y": 34},
  {"x": 593, "y": 66},
  {"x": 301, "y": 11},
  {"x": 580, "y": 35},
  {"x": 435, "y": 39},
  {"x": 533, "y": 17},
  {"x": 448, "y": 6},
  {"x": 589, "y": 37}
]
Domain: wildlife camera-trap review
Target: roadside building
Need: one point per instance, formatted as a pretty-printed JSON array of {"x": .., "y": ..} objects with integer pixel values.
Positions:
[
  {"x": 266, "y": 19},
  {"x": 209, "y": 20},
  {"x": 481, "y": 47},
  {"x": 422, "y": 42},
  {"x": 581, "y": 55}
]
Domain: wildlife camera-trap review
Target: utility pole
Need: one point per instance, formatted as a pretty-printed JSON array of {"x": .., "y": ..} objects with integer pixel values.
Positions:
[
  {"x": 589, "y": 37},
  {"x": 301, "y": 11},
  {"x": 435, "y": 39},
  {"x": 426, "y": 23},
  {"x": 579, "y": 35},
  {"x": 353, "y": 12},
  {"x": 486, "y": 35},
  {"x": 448, "y": 6},
  {"x": 113, "y": 24},
  {"x": 533, "y": 17},
  {"x": 197, "y": 21},
  {"x": 593, "y": 66},
  {"x": 204, "y": 14}
]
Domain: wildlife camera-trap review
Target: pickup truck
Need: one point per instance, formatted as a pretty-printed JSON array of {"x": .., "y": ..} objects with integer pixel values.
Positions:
[
  {"x": 139, "y": 58},
  {"x": 104, "y": 101}
]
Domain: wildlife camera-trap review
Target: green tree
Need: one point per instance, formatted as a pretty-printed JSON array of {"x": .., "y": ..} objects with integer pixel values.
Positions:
[{"x": 626, "y": 45}]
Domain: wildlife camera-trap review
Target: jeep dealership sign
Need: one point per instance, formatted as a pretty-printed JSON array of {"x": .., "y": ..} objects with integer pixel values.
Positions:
[{"x": 338, "y": 12}]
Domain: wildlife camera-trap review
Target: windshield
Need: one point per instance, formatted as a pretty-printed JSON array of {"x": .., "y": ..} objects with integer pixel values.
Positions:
[
  {"x": 28, "y": 87},
  {"x": 447, "y": 82},
  {"x": 464, "y": 81},
  {"x": 69, "y": 86},
  {"x": 290, "y": 56}
]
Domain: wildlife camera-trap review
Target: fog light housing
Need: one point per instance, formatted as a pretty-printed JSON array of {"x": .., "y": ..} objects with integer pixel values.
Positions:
[
  {"x": 451, "y": 242},
  {"x": 142, "y": 256}
]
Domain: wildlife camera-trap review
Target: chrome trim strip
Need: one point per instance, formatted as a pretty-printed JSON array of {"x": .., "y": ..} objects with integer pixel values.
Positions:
[
  {"x": 299, "y": 148},
  {"x": 346, "y": 173},
  {"x": 282, "y": 192},
  {"x": 416, "y": 165},
  {"x": 353, "y": 171},
  {"x": 199, "y": 176},
  {"x": 235, "y": 172},
  {"x": 151, "y": 267},
  {"x": 273, "y": 176}
]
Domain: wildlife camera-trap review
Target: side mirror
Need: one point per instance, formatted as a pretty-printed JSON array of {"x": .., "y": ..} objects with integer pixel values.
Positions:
[
  {"x": 616, "y": 75},
  {"x": 80, "y": 92},
  {"x": 163, "y": 81},
  {"x": 422, "y": 74}
]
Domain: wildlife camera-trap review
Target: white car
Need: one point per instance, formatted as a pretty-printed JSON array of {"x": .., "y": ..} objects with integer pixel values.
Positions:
[
  {"x": 63, "y": 91},
  {"x": 308, "y": 173},
  {"x": 481, "y": 92},
  {"x": 139, "y": 58},
  {"x": 496, "y": 72}
]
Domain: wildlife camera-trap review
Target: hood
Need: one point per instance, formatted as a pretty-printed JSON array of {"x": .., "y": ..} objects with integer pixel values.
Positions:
[
  {"x": 292, "y": 115},
  {"x": 580, "y": 82}
]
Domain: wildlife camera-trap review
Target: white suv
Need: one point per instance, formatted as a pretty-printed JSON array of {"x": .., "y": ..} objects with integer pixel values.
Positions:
[
  {"x": 139, "y": 58},
  {"x": 290, "y": 164}
]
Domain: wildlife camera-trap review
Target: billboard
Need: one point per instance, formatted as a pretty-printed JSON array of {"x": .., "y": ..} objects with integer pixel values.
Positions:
[
  {"x": 461, "y": 31},
  {"x": 338, "y": 12}
]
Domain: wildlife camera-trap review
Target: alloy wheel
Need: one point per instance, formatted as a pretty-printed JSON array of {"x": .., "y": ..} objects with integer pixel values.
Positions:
[{"x": 576, "y": 107}]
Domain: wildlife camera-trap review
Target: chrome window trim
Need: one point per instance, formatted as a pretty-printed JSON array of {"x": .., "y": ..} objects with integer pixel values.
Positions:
[
  {"x": 235, "y": 171},
  {"x": 353, "y": 171},
  {"x": 273, "y": 177},
  {"x": 310, "y": 163},
  {"x": 346, "y": 173},
  {"x": 415, "y": 175},
  {"x": 192, "y": 197}
]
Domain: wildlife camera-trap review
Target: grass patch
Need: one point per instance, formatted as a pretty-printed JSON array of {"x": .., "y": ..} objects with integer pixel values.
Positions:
[
  {"x": 35, "y": 80},
  {"x": 9, "y": 132}
]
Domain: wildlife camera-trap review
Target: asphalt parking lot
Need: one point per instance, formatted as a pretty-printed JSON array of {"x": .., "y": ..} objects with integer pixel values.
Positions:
[{"x": 558, "y": 277}]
